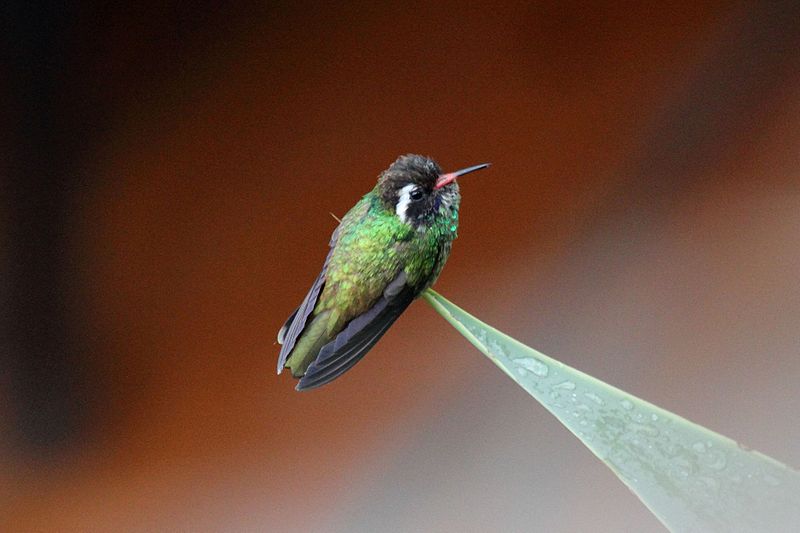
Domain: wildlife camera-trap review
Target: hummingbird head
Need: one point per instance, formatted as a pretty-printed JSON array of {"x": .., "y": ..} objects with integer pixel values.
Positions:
[{"x": 417, "y": 191}]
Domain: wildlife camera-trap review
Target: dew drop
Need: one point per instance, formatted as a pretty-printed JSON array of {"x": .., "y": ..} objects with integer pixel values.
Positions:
[
  {"x": 626, "y": 404},
  {"x": 680, "y": 468},
  {"x": 595, "y": 398},
  {"x": 494, "y": 346},
  {"x": 714, "y": 459},
  {"x": 534, "y": 365},
  {"x": 708, "y": 483},
  {"x": 644, "y": 429},
  {"x": 566, "y": 385},
  {"x": 699, "y": 447}
]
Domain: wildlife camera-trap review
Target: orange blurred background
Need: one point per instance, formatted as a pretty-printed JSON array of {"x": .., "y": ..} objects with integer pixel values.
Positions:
[{"x": 170, "y": 177}]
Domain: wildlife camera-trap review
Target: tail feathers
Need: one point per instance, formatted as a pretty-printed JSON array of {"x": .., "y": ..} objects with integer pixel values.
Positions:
[{"x": 308, "y": 345}]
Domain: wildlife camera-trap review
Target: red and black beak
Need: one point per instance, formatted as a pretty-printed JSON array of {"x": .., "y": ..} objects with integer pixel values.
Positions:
[{"x": 450, "y": 177}]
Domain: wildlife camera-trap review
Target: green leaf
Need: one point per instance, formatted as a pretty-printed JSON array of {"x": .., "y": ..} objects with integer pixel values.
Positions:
[{"x": 691, "y": 478}]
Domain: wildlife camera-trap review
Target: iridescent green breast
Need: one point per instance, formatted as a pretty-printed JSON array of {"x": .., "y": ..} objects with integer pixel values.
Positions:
[{"x": 373, "y": 247}]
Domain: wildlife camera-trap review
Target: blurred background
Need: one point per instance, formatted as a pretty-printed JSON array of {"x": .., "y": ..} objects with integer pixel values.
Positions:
[{"x": 168, "y": 177}]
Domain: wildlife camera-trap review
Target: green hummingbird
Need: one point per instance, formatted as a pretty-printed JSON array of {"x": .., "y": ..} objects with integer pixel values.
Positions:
[{"x": 387, "y": 249}]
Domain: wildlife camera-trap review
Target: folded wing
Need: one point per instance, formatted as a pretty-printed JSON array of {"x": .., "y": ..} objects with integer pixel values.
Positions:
[
  {"x": 291, "y": 330},
  {"x": 360, "y": 334}
]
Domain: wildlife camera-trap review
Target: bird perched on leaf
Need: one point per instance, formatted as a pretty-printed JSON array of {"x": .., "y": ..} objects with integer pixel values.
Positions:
[{"x": 387, "y": 249}]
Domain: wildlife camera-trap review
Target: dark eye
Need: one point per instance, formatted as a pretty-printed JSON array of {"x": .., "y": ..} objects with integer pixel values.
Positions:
[{"x": 416, "y": 194}]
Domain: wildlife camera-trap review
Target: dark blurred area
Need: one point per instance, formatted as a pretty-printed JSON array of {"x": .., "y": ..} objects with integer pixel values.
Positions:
[{"x": 169, "y": 172}]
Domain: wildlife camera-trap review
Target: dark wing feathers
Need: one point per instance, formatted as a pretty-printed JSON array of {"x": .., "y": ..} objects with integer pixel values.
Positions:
[
  {"x": 356, "y": 328},
  {"x": 360, "y": 334},
  {"x": 318, "y": 376},
  {"x": 294, "y": 326},
  {"x": 286, "y": 326}
]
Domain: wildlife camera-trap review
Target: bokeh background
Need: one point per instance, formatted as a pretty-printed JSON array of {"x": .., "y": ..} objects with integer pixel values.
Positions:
[{"x": 169, "y": 172}]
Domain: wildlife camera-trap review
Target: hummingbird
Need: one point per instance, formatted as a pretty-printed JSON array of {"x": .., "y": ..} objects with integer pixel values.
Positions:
[{"x": 385, "y": 251}]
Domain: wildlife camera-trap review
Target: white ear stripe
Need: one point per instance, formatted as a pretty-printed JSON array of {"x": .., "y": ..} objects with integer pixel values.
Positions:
[{"x": 404, "y": 200}]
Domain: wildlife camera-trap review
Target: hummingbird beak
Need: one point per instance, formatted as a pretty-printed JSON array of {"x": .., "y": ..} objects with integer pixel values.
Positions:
[{"x": 450, "y": 177}]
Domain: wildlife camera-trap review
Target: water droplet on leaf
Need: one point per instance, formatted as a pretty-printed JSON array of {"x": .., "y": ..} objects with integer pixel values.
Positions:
[
  {"x": 534, "y": 365},
  {"x": 595, "y": 398},
  {"x": 566, "y": 385}
]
